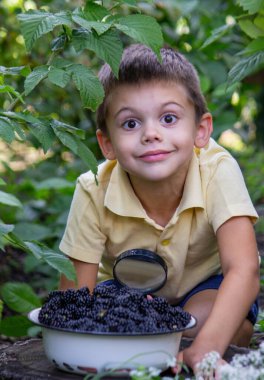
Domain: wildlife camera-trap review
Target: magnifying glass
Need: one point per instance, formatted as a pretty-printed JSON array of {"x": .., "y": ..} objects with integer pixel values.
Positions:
[{"x": 140, "y": 269}]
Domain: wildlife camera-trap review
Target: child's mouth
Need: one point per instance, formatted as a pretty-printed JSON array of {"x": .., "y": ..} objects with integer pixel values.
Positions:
[{"x": 154, "y": 156}]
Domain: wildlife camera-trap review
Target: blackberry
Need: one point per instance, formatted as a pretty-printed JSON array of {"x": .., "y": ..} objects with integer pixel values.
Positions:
[
  {"x": 160, "y": 305},
  {"x": 105, "y": 291},
  {"x": 84, "y": 297},
  {"x": 110, "y": 309},
  {"x": 72, "y": 310},
  {"x": 54, "y": 294},
  {"x": 148, "y": 325},
  {"x": 82, "y": 312},
  {"x": 120, "y": 312},
  {"x": 85, "y": 324},
  {"x": 69, "y": 296}
]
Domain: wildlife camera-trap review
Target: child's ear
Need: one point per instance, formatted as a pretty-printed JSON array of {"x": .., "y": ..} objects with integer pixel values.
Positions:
[
  {"x": 105, "y": 145},
  {"x": 204, "y": 130}
]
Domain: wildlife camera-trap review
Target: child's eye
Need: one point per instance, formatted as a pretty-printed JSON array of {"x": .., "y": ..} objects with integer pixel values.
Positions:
[
  {"x": 169, "y": 119},
  {"x": 131, "y": 124}
]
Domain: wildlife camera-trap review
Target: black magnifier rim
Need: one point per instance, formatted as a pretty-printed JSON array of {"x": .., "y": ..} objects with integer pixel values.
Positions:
[{"x": 146, "y": 255}]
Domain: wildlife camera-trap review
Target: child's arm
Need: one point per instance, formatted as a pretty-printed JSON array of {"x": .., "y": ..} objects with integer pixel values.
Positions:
[
  {"x": 86, "y": 276},
  {"x": 239, "y": 289}
]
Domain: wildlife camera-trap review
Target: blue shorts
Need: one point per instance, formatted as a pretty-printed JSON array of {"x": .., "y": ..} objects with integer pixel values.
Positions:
[{"x": 212, "y": 282}]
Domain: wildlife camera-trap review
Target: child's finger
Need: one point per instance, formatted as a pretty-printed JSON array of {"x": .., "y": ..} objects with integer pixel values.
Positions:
[{"x": 177, "y": 369}]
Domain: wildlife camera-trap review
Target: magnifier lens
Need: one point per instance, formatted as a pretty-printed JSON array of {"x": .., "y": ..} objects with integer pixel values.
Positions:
[{"x": 141, "y": 269}]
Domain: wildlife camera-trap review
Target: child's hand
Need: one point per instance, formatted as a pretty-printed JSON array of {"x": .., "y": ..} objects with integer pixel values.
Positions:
[{"x": 207, "y": 374}]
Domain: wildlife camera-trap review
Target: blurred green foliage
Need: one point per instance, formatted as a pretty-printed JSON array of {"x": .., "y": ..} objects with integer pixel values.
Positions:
[{"x": 47, "y": 121}]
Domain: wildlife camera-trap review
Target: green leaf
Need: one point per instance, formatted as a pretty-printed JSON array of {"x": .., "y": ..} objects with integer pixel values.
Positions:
[
  {"x": 20, "y": 132},
  {"x": 36, "y": 76},
  {"x": 34, "y": 24},
  {"x": 2, "y": 182},
  {"x": 224, "y": 120},
  {"x": 17, "y": 242},
  {"x": 56, "y": 260},
  {"x": 21, "y": 116},
  {"x": 91, "y": 90},
  {"x": 58, "y": 77},
  {"x": 60, "y": 63},
  {"x": 9, "y": 200},
  {"x": 59, "y": 125},
  {"x": 19, "y": 297},
  {"x": 66, "y": 138},
  {"x": 94, "y": 11},
  {"x": 80, "y": 18},
  {"x": 16, "y": 326},
  {"x": 29, "y": 231},
  {"x": 222, "y": 91},
  {"x": 250, "y": 28},
  {"x": 210, "y": 68},
  {"x": 59, "y": 42},
  {"x": 77, "y": 147},
  {"x": 11, "y": 90},
  {"x": 181, "y": 7},
  {"x": 87, "y": 156},
  {"x": 253, "y": 47},
  {"x": 130, "y": 2},
  {"x": 19, "y": 70},
  {"x": 60, "y": 263},
  {"x": 1, "y": 309},
  {"x": 39, "y": 127},
  {"x": 6, "y": 129},
  {"x": 259, "y": 22},
  {"x": 251, "y": 6},
  {"x": 107, "y": 46},
  {"x": 54, "y": 183},
  {"x": 205, "y": 83},
  {"x": 43, "y": 133},
  {"x": 245, "y": 67},
  {"x": 216, "y": 34},
  {"x": 6, "y": 228},
  {"x": 143, "y": 29}
]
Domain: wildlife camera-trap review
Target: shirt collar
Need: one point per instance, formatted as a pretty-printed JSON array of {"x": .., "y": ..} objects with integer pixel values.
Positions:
[
  {"x": 121, "y": 199},
  {"x": 192, "y": 192}
]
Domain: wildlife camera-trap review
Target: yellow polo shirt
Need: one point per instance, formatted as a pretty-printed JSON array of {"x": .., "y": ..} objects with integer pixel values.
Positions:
[{"x": 108, "y": 219}]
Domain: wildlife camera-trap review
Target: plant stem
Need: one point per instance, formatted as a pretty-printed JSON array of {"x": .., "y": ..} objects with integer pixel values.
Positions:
[{"x": 14, "y": 103}]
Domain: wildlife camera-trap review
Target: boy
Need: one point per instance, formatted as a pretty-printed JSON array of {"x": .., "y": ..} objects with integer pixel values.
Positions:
[{"x": 168, "y": 187}]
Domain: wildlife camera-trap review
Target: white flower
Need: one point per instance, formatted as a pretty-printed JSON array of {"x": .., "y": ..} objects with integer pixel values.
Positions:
[
  {"x": 137, "y": 373},
  {"x": 171, "y": 361},
  {"x": 206, "y": 367},
  {"x": 153, "y": 371}
]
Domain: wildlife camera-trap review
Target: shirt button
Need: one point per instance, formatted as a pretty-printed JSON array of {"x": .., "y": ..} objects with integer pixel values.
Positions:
[{"x": 165, "y": 242}]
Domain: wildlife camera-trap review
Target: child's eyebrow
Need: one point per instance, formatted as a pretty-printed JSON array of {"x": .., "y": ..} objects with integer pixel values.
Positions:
[
  {"x": 124, "y": 109},
  {"x": 131, "y": 109},
  {"x": 172, "y": 103}
]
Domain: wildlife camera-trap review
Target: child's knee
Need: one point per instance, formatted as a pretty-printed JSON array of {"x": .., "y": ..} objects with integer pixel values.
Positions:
[
  {"x": 244, "y": 334},
  {"x": 199, "y": 305}
]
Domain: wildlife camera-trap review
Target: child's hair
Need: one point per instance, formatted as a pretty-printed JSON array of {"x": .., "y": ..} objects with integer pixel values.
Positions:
[{"x": 139, "y": 64}]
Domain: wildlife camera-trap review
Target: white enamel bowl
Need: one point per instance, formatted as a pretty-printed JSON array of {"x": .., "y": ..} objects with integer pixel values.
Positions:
[{"x": 93, "y": 352}]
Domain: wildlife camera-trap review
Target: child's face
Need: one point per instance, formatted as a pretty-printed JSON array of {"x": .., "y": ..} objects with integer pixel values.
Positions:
[{"x": 152, "y": 130}]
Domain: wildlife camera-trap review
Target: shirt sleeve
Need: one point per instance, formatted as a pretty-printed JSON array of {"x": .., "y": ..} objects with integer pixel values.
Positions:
[
  {"x": 83, "y": 239},
  {"x": 227, "y": 195}
]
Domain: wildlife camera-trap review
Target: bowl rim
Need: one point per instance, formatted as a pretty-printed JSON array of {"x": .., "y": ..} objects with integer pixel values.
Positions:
[{"x": 33, "y": 317}]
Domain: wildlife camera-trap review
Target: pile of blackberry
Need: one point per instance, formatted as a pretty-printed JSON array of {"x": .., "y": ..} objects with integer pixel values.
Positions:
[{"x": 111, "y": 310}]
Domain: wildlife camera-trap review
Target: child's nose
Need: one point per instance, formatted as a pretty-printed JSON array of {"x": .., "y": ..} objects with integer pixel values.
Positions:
[{"x": 151, "y": 132}]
